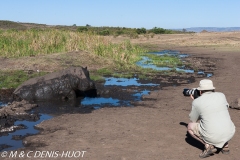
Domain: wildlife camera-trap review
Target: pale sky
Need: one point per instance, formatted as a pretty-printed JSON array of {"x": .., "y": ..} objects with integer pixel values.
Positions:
[{"x": 168, "y": 14}]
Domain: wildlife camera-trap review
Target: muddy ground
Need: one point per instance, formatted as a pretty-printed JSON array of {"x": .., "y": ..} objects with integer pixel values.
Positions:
[{"x": 154, "y": 128}]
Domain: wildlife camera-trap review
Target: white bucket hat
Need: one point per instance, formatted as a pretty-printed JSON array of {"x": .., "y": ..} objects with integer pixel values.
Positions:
[{"x": 206, "y": 84}]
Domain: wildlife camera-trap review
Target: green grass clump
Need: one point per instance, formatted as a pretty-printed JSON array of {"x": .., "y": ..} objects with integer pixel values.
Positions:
[
  {"x": 104, "y": 71},
  {"x": 164, "y": 61},
  {"x": 123, "y": 75},
  {"x": 12, "y": 79},
  {"x": 96, "y": 77}
]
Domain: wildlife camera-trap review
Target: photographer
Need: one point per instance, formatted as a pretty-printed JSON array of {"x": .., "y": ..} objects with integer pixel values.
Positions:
[{"x": 210, "y": 120}]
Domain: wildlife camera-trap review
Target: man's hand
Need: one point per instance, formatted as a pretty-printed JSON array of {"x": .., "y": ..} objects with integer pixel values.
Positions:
[{"x": 192, "y": 97}]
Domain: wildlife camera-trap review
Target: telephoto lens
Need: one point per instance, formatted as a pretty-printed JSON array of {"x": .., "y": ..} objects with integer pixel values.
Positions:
[{"x": 194, "y": 92}]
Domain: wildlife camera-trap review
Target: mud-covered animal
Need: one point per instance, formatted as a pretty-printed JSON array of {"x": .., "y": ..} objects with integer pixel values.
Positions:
[{"x": 58, "y": 85}]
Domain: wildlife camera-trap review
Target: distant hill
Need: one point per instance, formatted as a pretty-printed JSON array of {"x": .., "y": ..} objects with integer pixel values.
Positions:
[
  {"x": 4, "y": 24},
  {"x": 211, "y": 29}
]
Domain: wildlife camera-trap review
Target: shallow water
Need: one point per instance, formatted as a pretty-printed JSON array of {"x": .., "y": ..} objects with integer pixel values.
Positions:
[
  {"x": 206, "y": 74},
  {"x": 98, "y": 102},
  {"x": 125, "y": 82},
  {"x": 7, "y": 140},
  {"x": 145, "y": 59},
  {"x": 2, "y": 104},
  {"x": 138, "y": 95},
  {"x": 170, "y": 53},
  {"x": 142, "y": 63}
]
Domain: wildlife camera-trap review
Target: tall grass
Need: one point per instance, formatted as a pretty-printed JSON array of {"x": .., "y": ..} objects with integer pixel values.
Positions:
[{"x": 15, "y": 43}]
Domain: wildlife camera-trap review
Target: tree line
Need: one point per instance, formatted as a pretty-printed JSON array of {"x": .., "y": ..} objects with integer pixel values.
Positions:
[{"x": 105, "y": 31}]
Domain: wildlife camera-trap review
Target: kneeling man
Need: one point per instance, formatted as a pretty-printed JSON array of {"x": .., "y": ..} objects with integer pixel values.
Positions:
[{"x": 211, "y": 123}]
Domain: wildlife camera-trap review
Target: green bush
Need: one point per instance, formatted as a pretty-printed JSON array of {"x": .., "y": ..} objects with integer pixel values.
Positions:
[
  {"x": 158, "y": 30},
  {"x": 82, "y": 29},
  {"x": 119, "y": 32},
  {"x": 141, "y": 31},
  {"x": 104, "y": 32}
]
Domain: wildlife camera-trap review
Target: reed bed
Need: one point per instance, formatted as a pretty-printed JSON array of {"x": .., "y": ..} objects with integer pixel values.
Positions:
[{"x": 15, "y": 43}]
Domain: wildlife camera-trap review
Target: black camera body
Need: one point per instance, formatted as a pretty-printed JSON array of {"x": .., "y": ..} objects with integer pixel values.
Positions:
[{"x": 194, "y": 92}]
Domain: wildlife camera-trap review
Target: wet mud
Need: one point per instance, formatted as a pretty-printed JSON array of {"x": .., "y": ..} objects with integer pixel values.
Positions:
[{"x": 111, "y": 93}]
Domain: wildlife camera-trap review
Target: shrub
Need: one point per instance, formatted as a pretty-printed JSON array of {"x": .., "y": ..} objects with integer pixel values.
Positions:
[
  {"x": 119, "y": 32},
  {"x": 141, "y": 31},
  {"x": 82, "y": 29},
  {"x": 158, "y": 30},
  {"x": 104, "y": 32}
]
